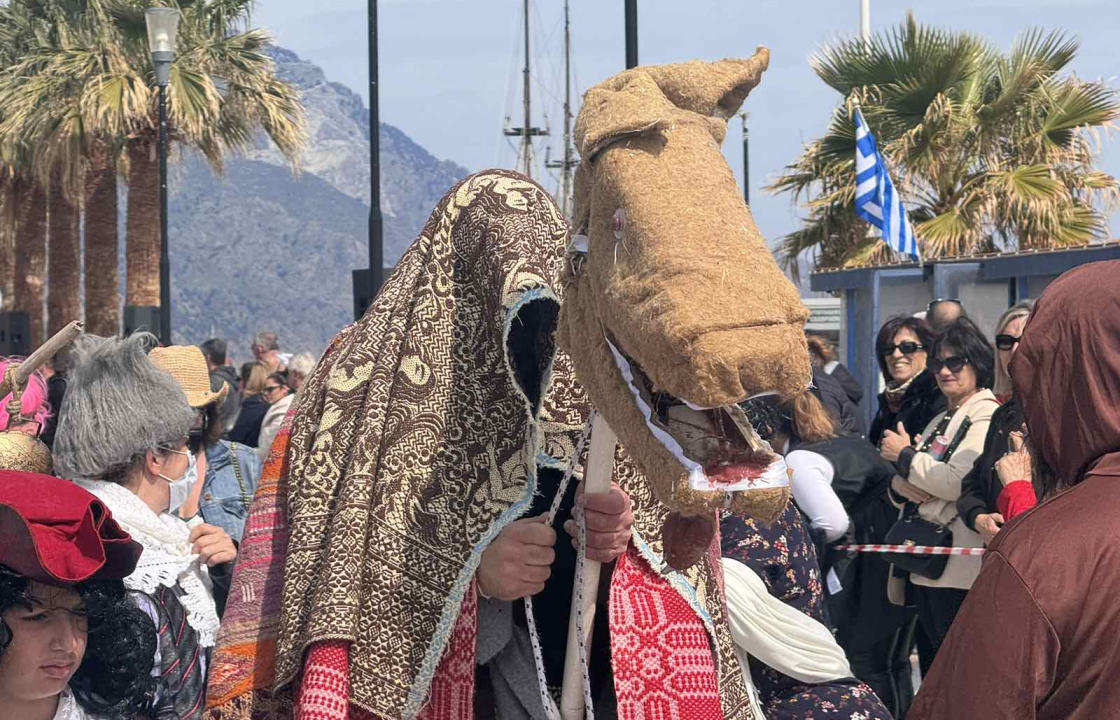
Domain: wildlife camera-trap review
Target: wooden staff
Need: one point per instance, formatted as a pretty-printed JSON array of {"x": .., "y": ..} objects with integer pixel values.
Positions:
[
  {"x": 15, "y": 378},
  {"x": 596, "y": 479}
]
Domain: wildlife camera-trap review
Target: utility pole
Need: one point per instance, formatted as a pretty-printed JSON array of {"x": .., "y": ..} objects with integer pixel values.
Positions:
[
  {"x": 367, "y": 282},
  {"x": 746, "y": 160},
  {"x": 569, "y": 162},
  {"x": 631, "y": 9}
]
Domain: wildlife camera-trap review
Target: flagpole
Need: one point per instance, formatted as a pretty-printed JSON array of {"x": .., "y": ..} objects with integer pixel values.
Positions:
[{"x": 865, "y": 21}]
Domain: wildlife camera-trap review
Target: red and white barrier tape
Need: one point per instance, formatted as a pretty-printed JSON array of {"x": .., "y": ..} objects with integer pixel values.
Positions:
[{"x": 913, "y": 549}]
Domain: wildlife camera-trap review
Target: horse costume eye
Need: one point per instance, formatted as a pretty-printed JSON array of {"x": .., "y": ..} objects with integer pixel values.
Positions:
[{"x": 618, "y": 223}]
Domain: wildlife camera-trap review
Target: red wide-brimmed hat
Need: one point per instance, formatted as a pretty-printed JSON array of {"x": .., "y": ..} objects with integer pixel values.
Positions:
[{"x": 55, "y": 532}]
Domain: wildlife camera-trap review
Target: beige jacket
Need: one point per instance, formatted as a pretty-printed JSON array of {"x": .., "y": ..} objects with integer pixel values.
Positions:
[
  {"x": 270, "y": 426},
  {"x": 943, "y": 481}
]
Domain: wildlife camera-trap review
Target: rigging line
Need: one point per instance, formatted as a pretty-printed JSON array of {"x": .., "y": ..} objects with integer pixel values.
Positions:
[
  {"x": 506, "y": 110},
  {"x": 544, "y": 51}
]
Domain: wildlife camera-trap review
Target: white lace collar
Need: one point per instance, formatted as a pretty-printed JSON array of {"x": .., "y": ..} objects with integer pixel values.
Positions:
[
  {"x": 167, "y": 560},
  {"x": 69, "y": 709}
]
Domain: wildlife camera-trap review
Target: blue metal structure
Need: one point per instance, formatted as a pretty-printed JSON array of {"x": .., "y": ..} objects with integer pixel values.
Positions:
[{"x": 987, "y": 285}]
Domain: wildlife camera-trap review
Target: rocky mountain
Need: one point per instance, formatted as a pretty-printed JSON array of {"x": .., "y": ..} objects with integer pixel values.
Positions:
[{"x": 261, "y": 247}]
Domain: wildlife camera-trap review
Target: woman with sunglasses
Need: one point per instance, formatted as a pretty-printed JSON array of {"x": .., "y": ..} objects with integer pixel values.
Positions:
[
  {"x": 912, "y": 396},
  {"x": 279, "y": 397},
  {"x": 930, "y": 469},
  {"x": 124, "y": 438},
  {"x": 980, "y": 490}
]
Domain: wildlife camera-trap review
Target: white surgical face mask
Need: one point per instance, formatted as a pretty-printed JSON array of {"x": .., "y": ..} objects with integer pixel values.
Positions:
[{"x": 181, "y": 488}]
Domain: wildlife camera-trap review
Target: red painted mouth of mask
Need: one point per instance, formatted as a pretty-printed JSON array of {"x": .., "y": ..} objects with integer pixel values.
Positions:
[{"x": 733, "y": 465}]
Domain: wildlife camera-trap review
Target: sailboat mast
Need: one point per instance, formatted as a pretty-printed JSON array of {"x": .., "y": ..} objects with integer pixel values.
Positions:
[
  {"x": 565, "y": 166},
  {"x": 526, "y": 132},
  {"x": 526, "y": 138},
  {"x": 566, "y": 176}
]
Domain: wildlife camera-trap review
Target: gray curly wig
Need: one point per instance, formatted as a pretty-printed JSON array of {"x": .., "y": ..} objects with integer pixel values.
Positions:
[{"x": 118, "y": 406}]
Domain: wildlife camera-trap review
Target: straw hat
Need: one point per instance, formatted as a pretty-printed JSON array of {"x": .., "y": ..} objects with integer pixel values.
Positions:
[{"x": 186, "y": 364}]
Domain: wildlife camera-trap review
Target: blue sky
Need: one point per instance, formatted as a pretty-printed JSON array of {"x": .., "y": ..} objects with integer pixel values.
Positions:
[{"x": 449, "y": 72}]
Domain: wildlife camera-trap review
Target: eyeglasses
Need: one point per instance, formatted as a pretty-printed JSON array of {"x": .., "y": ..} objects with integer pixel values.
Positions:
[
  {"x": 906, "y": 347},
  {"x": 954, "y": 363},
  {"x": 929, "y": 308},
  {"x": 1006, "y": 342}
]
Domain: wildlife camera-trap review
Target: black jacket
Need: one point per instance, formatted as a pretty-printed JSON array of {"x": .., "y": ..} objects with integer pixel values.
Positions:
[
  {"x": 847, "y": 381},
  {"x": 247, "y": 429},
  {"x": 832, "y": 395},
  {"x": 980, "y": 488},
  {"x": 232, "y": 404},
  {"x": 922, "y": 402},
  {"x": 861, "y": 611}
]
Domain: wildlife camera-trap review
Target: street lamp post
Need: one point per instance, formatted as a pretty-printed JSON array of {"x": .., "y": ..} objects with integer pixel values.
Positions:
[
  {"x": 163, "y": 23},
  {"x": 367, "y": 282}
]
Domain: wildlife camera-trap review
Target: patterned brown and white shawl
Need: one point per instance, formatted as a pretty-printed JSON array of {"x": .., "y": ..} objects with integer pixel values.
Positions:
[{"x": 412, "y": 445}]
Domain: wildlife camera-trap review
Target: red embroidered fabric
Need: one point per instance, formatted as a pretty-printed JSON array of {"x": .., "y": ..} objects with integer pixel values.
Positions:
[
  {"x": 660, "y": 651},
  {"x": 324, "y": 692}
]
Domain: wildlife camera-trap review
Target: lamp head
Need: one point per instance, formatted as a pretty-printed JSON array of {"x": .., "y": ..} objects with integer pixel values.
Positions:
[{"x": 163, "y": 25}]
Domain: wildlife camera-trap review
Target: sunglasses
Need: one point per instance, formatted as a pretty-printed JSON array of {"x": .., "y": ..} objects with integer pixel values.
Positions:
[
  {"x": 1006, "y": 342},
  {"x": 929, "y": 308},
  {"x": 954, "y": 363},
  {"x": 906, "y": 347},
  {"x": 270, "y": 388}
]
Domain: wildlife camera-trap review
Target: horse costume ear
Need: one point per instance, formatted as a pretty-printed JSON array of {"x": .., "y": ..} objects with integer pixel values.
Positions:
[
  {"x": 650, "y": 99},
  {"x": 713, "y": 89},
  {"x": 631, "y": 105}
]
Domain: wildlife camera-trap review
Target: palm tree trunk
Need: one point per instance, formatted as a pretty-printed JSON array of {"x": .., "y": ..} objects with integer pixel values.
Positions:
[
  {"x": 102, "y": 276},
  {"x": 31, "y": 255},
  {"x": 7, "y": 248},
  {"x": 142, "y": 225},
  {"x": 64, "y": 300}
]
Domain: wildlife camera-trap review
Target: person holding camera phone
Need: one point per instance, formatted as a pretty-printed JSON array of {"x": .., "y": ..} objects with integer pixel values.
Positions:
[{"x": 981, "y": 488}]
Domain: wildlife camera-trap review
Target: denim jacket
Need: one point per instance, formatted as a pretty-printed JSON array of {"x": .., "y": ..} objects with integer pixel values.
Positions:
[{"x": 232, "y": 472}]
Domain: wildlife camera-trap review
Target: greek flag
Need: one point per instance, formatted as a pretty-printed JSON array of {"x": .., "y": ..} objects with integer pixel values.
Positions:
[{"x": 877, "y": 201}]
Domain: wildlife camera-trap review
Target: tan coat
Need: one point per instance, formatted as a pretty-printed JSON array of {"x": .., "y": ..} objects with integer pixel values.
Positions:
[{"x": 943, "y": 481}]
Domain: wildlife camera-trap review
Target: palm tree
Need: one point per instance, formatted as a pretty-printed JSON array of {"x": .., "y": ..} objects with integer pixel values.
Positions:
[
  {"x": 30, "y": 203},
  {"x": 85, "y": 95},
  {"x": 990, "y": 151},
  {"x": 24, "y": 201},
  {"x": 64, "y": 300},
  {"x": 223, "y": 89}
]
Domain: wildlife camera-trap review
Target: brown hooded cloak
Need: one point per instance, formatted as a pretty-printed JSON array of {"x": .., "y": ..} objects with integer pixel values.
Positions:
[{"x": 1036, "y": 637}]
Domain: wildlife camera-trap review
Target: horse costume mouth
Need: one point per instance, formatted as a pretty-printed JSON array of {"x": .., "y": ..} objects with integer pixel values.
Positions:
[{"x": 718, "y": 446}]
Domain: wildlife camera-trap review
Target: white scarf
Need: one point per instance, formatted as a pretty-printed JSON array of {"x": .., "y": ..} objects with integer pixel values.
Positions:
[
  {"x": 786, "y": 639},
  {"x": 168, "y": 558}
]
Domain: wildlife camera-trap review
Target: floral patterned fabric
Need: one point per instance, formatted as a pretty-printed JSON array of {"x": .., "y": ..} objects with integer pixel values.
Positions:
[{"x": 784, "y": 557}]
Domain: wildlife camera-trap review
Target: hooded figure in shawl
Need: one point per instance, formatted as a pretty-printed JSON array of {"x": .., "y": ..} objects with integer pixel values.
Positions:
[
  {"x": 410, "y": 453},
  {"x": 1036, "y": 636}
]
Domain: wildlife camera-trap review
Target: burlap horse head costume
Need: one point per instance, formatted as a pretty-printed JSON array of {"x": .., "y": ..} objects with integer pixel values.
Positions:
[{"x": 672, "y": 295}]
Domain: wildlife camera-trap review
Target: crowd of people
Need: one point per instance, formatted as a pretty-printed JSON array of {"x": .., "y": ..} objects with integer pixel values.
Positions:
[{"x": 113, "y": 582}]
